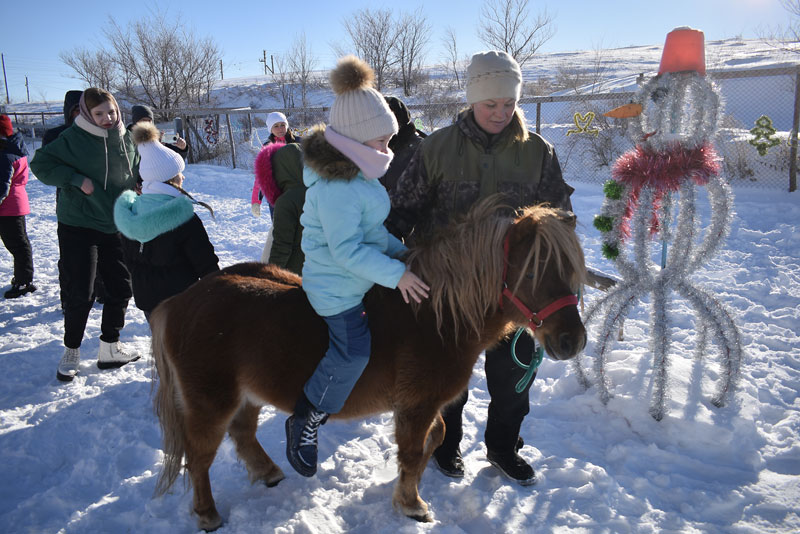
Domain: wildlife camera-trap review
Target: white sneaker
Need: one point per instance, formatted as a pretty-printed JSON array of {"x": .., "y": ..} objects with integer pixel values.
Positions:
[
  {"x": 68, "y": 366},
  {"x": 113, "y": 355}
]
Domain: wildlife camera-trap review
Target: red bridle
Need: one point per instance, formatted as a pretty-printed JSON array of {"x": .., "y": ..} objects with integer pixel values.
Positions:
[{"x": 539, "y": 317}]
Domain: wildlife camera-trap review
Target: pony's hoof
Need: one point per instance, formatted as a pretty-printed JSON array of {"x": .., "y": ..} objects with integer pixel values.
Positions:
[
  {"x": 424, "y": 518},
  {"x": 272, "y": 481},
  {"x": 210, "y": 523}
]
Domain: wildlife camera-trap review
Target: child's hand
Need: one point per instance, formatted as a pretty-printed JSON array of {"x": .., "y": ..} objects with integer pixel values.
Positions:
[{"x": 411, "y": 286}]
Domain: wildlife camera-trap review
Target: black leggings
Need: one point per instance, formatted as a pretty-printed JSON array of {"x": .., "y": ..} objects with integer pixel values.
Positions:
[
  {"x": 14, "y": 234},
  {"x": 507, "y": 408},
  {"x": 83, "y": 251}
]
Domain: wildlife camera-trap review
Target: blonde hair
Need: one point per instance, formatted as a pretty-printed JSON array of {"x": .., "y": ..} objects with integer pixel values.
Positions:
[{"x": 175, "y": 180}]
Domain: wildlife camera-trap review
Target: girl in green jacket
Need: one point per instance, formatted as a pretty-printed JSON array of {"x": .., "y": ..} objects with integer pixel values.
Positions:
[{"x": 92, "y": 162}]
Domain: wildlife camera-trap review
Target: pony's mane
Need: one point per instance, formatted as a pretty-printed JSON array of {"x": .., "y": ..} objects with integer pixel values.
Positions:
[
  {"x": 557, "y": 240},
  {"x": 462, "y": 262}
]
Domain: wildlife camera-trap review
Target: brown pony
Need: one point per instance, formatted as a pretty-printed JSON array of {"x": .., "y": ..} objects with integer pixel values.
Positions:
[{"x": 247, "y": 336}]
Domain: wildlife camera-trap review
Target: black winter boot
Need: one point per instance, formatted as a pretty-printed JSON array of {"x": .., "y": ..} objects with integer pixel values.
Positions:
[
  {"x": 502, "y": 444},
  {"x": 301, "y": 436},
  {"x": 449, "y": 461},
  {"x": 447, "y": 457}
]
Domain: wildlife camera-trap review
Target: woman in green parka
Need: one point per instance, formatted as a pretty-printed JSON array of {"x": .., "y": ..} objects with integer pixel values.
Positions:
[
  {"x": 92, "y": 162},
  {"x": 287, "y": 232}
]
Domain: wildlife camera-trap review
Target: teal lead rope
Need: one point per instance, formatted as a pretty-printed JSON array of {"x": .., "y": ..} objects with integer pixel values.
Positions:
[{"x": 530, "y": 370}]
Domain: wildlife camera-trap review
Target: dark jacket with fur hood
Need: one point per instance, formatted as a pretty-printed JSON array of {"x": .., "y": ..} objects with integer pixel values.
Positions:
[{"x": 459, "y": 165}]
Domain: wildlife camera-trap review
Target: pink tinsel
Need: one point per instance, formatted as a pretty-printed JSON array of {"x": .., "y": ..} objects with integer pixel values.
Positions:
[
  {"x": 664, "y": 172},
  {"x": 263, "y": 171}
]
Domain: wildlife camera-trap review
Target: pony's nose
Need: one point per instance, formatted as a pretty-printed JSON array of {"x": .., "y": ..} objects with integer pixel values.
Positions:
[{"x": 567, "y": 346}]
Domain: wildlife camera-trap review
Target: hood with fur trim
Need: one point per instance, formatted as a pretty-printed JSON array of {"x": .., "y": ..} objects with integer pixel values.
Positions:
[
  {"x": 325, "y": 160},
  {"x": 142, "y": 218}
]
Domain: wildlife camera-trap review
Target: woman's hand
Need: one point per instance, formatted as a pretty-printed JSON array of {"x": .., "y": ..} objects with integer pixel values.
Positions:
[
  {"x": 87, "y": 186},
  {"x": 181, "y": 143},
  {"x": 410, "y": 285}
]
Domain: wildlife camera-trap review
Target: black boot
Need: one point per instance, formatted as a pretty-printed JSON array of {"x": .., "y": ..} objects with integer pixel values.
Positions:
[
  {"x": 18, "y": 289},
  {"x": 447, "y": 457},
  {"x": 449, "y": 461},
  {"x": 502, "y": 444},
  {"x": 301, "y": 436}
]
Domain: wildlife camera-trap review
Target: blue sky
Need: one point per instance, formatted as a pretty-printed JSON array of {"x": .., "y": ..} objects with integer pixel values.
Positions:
[{"x": 243, "y": 29}]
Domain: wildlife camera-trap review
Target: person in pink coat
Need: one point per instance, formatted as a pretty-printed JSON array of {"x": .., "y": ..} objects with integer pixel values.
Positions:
[{"x": 14, "y": 207}]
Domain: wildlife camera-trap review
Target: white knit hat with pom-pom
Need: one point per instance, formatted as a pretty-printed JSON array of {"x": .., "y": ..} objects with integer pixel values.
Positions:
[
  {"x": 158, "y": 163},
  {"x": 359, "y": 111}
]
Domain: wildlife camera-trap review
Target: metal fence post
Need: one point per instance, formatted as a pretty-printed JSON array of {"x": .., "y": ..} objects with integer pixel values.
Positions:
[
  {"x": 793, "y": 140},
  {"x": 230, "y": 137},
  {"x": 539, "y": 118}
]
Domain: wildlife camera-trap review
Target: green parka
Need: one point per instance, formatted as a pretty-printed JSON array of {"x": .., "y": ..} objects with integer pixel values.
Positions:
[
  {"x": 84, "y": 150},
  {"x": 287, "y": 233},
  {"x": 457, "y": 166}
]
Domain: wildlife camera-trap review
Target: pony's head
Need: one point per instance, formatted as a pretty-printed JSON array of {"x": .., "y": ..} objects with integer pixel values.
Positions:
[
  {"x": 467, "y": 268},
  {"x": 544, "y": 270}
]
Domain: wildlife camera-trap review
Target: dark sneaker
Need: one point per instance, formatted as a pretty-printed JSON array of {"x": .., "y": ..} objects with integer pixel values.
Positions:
[
  {"x": 17, "y": 290},
  {"x": 513, "y": 467},
  {"x": 450, "y": 463},
  {"x": 301, "y": 441}
]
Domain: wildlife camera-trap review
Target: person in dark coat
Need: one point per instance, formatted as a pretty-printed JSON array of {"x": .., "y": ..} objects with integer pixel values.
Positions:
[
  {"x": 71, "y": 110},
  {"x": 165, "y": 243},
  {"x": 14, "y": 207},
  {"x": 287, "y": 232},
  {"x": 488, "y": 150},
  {"x": 403, "y": 144},
  {"x": 144, "y": 113}
]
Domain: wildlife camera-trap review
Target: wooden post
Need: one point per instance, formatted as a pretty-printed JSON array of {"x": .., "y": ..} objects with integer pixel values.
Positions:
[
  {"x": 793, "y": 140},
  {"x": 230, "y": 138}
]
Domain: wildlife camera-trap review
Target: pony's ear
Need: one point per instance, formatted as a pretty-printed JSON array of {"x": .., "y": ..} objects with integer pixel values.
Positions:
[{"x": 569, "y": 218}]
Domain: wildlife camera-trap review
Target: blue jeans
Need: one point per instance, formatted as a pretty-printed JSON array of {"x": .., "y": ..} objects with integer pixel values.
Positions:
[{"x": 343, "y": 363}]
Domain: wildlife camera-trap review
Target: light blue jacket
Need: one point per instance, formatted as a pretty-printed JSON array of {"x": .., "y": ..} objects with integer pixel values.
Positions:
[{"x": 347, "y": 248}]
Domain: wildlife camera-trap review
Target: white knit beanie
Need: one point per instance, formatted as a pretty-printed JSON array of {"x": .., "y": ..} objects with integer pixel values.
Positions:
[
  {"x": 274, "y": 118},
  {"x": 359, "y": 111},
  {"x": 158, "y": 163},
  {"x": 492, "y": 75}
]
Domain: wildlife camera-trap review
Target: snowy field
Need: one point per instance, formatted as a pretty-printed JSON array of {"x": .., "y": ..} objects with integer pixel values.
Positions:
[{"x": 83, "y": 457}]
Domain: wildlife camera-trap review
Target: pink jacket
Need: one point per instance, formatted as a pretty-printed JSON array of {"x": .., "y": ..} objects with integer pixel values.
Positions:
[
  {"x": 265, "y": 183},
  {"x": 15, "y": 176}
]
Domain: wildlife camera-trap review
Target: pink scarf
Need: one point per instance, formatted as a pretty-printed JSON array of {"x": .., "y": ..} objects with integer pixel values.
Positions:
[{"x": 373, "y": 164}]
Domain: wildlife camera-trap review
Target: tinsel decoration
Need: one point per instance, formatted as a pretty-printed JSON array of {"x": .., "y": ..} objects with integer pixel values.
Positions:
[
  {"x": 673, "y": 157},
  {"x": 582, "y": 123}
]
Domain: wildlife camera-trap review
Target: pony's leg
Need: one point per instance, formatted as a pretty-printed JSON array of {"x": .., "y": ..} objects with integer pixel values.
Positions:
[
  {"x": 204, "y": 433},
  {"x": 259, "y": 465},
  {"x": 417, "y": 433}
]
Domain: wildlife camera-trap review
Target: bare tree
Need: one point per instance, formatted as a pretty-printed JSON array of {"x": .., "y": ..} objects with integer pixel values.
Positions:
[
  {"x": 96, "y": 68},
  {"x": 413, "y": 35},
  {"x": 788, "y": 38},
  {"x": 284, "y": 78},
  {"x": 505, "y": 26},
  {"x": 451, "y": 55},
  {"x": 154, "y": 60},
  {"x": 302, "y": 62},
  {"x": 373, "y": 34}
]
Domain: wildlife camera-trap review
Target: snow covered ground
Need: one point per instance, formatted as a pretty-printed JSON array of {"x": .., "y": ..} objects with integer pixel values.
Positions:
[{"x": 83, "y": 457}]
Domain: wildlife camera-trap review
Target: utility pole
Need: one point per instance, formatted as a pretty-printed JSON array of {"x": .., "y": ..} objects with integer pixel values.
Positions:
[
  {"x": 5, "y": 81},
  {"x": 271, "y": 67},
  {"x": 28, "y": 89},
  {"x": 221, "y": 75}
]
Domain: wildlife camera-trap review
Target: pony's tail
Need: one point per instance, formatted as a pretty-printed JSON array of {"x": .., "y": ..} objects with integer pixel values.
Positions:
[{"x": 166, "y": 403}]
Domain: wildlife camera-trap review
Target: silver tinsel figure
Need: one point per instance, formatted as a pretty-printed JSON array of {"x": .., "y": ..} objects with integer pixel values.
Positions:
[{"x": 676, "y": 115}]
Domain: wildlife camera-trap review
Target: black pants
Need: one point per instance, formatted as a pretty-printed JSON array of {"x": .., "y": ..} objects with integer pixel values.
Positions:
[
  {"x": 507, "y": 408},
  {"x": 14, "y": 234},
  {"x": 84, "y": 251}
]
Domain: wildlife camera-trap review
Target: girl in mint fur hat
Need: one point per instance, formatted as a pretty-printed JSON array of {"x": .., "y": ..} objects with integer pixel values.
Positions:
[{"x": 166, "y": 245}]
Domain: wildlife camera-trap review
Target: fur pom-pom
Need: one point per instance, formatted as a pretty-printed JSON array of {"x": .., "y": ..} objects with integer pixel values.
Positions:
[
  {"x": 145, "y": 132},
  {"x": 351, "y": 73}
]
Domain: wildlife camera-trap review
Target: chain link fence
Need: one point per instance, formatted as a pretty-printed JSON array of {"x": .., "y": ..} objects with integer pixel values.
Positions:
[{"x": 764, "y": 101}]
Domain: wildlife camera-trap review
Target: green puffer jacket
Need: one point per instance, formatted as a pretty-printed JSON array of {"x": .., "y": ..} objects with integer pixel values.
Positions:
[
  {"x": 457, "y": 166},
  {"x": 85, "y": 150}
]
